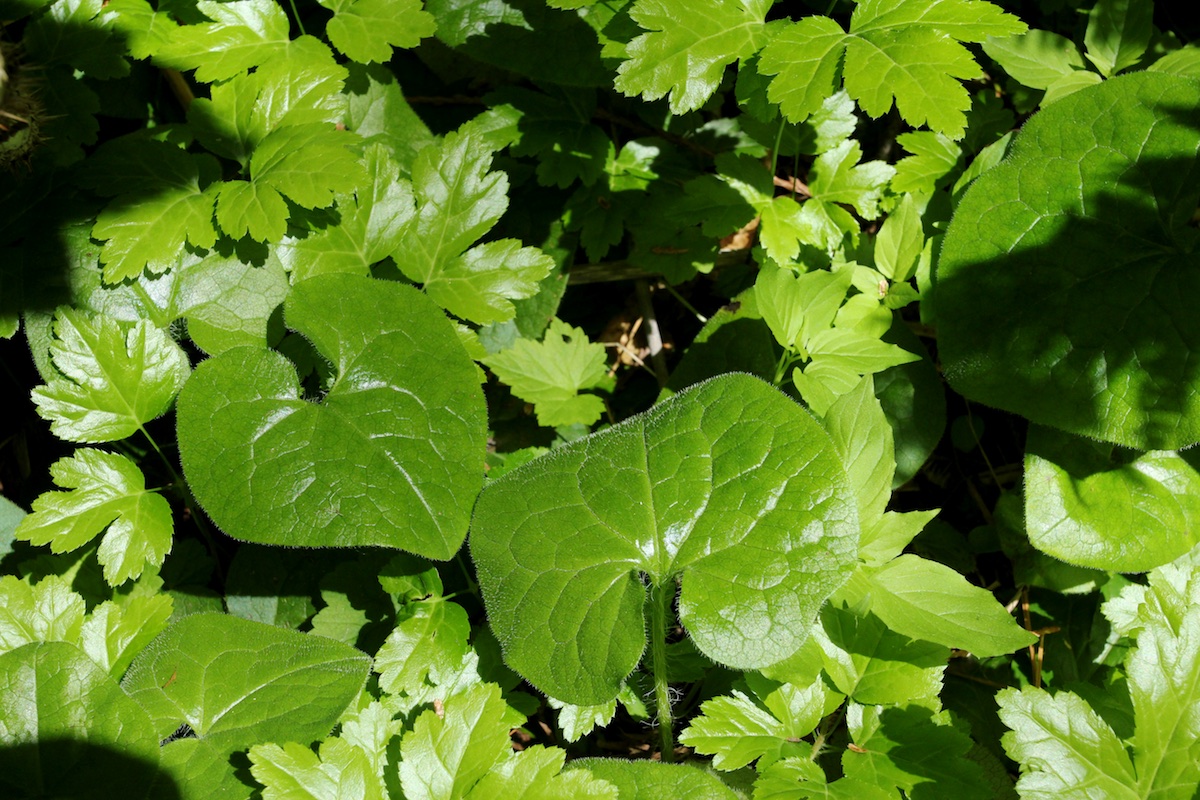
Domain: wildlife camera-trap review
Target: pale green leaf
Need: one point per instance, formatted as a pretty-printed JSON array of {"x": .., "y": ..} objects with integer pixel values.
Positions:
[
  {"x": 114, "y": 633},
  {"x": 430, "y": 642},
  {"x": 143, "y": 28},
  {"x": 447, "y": 753},
  {"x": 561, "y": 543},
  {"x": 685, "y": 53},
  {"x": 367, "y": 30},
  {"x": 536, "y": 773},
  {"x": 930, "y": 601},
  {"x": 294, "y": 772},
  {"x": 646, "y": 779},
  {"x": 1065, "y": 749},
  {"x": 114, "y": 377},
  {"x": 405, "y": 409},
  {"x": 1069, "y": 84},
  {"x": 886, "y": 537},
  {"x": 934, "y": 155},
  {"x": 900, "y": 241},
  {"x": 801, "y": 779},
  {"x": 860, "y": 432},
  {"x": 1184, "y": 61},
  {"x": 857, "y": 351},
  {"x": 106, "y": 494},
  {"x": 238, "y": 683},
  {"x": 838, "y": 177},
  {"x": 798, "y": 307},
  {"x": 47, "y": 612},
  {"x": 551, "y": 373},
  {"x": 577, "y": 721}
]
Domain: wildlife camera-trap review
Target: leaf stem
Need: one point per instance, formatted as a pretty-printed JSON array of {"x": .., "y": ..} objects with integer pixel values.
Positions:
[
  {"x": 661, "y": 615},
  {"x": 296, "y": 15},
  {"x": 778, "y": 141}
]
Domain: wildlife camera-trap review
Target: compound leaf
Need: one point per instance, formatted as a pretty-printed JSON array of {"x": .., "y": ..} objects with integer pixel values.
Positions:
[
  {"x": 115, "y": 377},
  {"x": 551, "y": 373},
  {"x": 47, "y": 612},
  {"x": 1118, "y": 33},
  {"x": 340, "y": 771},
  {"x": 537, "y": 773},
  {"x": 107, "y": 492},
  {"x": 405, "y": 418},
  {"x": 115, "y": 632},
  {"x": 729, "y": 486},
  {"x": 685, "y": 53},
  {"x": 1064, "y": 281},
  {"x": 367, "y": 30}
]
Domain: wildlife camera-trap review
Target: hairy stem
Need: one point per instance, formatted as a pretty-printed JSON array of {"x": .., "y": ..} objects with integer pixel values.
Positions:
[{"x": 661, "y": 616}]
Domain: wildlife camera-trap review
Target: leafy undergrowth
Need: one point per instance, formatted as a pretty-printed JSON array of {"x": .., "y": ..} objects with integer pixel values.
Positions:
[{"x": 599, "y": 399}]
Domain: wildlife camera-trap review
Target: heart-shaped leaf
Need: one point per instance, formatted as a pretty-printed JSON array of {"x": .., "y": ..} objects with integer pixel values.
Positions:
[
  {"x": 1097, "y": 505},
  {"x": 729, "y": 485},
  {"x": 1066, "y": 284},
  {"x": 391, "y": 456}
]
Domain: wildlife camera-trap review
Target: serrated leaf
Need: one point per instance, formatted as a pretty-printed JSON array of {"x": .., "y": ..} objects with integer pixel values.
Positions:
[
  {"x": 551, "y": 373},
  {"x": 371, "y": 226},
  {"x": 577, "y": 721},
  {"x": 801, "y": 779},
  {"x": 377, "y": 111},
  {"x": 907, "y": 748},
  {"x": 172, "y": 206},
  {"x": 294, "y": 772},
  {"x": 67, "y": 729},
  {"x": 838, "y": 177},
  {"x": 1118, "y": 32},
  {"x": 47, "y": 612},
  {"x": 446, "y": 754},
  {"x": 219, "y": 674},
  {"x": 367, "y": 30},
  {"x": 926, "y": 600},
  {"x": 537, "y": 773},
  {"x": 637, "y": 779},
  {"x": 1066, "y": 750},
  {"x": 114, "y": 633},
  {"x": 565, "y": 538},
  {"x": 75, "y": 32},
  {"x": 909, "y": 53},
  {"x": 1098, "y": 505},
  {"x": 405, "y": 413},
  {"x": 873, "y": 665},
  {"x": 684, "y": 55},
  {"x": 934, "y": 156},
  {"x": 115, "y": 377},
  {"x": 430, "y": 642},
  {"x": 243, "y": 34},
  {"x": 143, "y": 28},
  {"x": 1062, "y": 290},
  {"x": 458, "y": 201},
  {"x": 107, "y": 494}
]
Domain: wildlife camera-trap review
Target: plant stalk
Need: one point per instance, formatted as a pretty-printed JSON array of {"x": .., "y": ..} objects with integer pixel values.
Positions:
[{"x": 661, "y": 616}]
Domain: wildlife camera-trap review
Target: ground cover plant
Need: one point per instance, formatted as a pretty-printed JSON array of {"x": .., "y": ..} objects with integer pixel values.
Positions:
[{"x": 599, "y": 399}]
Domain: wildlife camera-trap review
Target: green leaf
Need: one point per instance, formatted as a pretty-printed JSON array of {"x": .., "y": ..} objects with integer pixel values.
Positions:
[
  {"x": 405, "y": 414},
  {"x": 1118, "y": 33},
  {"x": 639, "y": 779},
  {"x": 430, "y": 642},
  {"x": 685, "y": 53},
  {"x": 447, "y": 753},
  {"x": 243, "y": 34},
  {"x": 308, "y": 164},
  {"x": 537, "y": 773},
  {"x": 857, "y": 351},
  {"x": 926, "y": 600},
  {"x": 1184, "y": 61},
  {"x": 912, "y": 749},
  {"x": 934, "y": 156},
  {"x": 372, "y": 221},
  {"x": 171, "y": 206},
  {"x": 1098, "y": 505},
  {"x": 367, "y": 30},
  {"x": 115, "y": 377},
  {"x": 67, "y": 729},
  {"x": 377, "y": 111},
  {"x": 873, "y": 665},
  {"x": 900, "y": 241},
  {"x": 1062, "y": 290},
  {"x": 560, "y": 543},
  {"x": 75, "y": 32},
  {"x": 341, "y": 771},
  {"x": 47, "y": 612},
  {"x": 801, "y": 779},
  {"x": 550, "y": 374},
  {"x": 737, "y": 729},
  {"x": 577, "y": 721},
  {"x": 863, "y": 438},
  {"x": 1035, "y": 58},
  {"x": 458, "y": 201},
  {"x": 114, "y": 633},
  {"x": 236, "y": 683},
  {"x": 837, "y": 177},
  {"x": 107, "y": 494},
  {"x": 1066, "y": 750},
  {"x": 798, "y": 307},
  {"x": 910, "y": 54},
  {"x": 143, "y": 28}
]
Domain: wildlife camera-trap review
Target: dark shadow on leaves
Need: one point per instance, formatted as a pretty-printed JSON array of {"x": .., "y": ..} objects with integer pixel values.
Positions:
[{"x": 73, "y": 769}]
